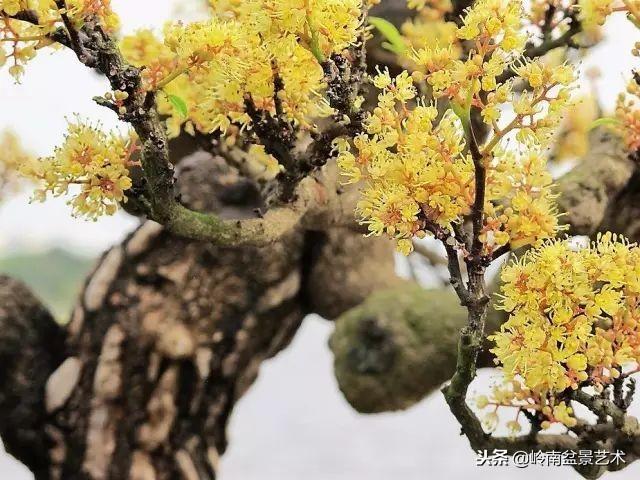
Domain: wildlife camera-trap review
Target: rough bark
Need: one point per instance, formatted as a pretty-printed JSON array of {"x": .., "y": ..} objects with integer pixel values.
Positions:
[
  {"x": 590, "y": 194},
  {"x": 346, "y": 270},
  {"x": 167, "y": 340},
  {"x": 169, "y": 333}
]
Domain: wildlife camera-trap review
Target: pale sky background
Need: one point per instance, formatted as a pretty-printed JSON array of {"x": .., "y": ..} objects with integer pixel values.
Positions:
[{"x": 294, "y": 422}]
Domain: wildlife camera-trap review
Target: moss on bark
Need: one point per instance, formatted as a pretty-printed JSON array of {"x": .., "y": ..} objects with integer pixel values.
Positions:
[{"x": 398, "y": 346}]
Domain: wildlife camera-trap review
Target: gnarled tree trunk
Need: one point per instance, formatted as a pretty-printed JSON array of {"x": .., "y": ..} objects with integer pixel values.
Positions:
[{"x": 167, "y": 335}]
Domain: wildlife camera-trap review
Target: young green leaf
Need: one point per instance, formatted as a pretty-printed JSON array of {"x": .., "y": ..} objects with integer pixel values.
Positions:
[
  {"x": 179, "y": 104},
  {"x": 314, "y": 45},
  {"x": 604, "y": 121},
  {"x": 395, "y": 43},
  {"x": 463, "y": 112}
]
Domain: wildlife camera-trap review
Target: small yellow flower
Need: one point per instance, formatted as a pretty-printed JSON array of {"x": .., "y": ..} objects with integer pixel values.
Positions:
[
  {"x": 404, "y": 246},
  {"x": 563, "y": 414},
  {"x": 91, "y": 165},
  {"x": 577, "y": 362},
  {"x": 594, "y": 12},
  {"x": 13, "y": 159},
  {"x": 609, "y": 300},
  {"x": 490, "y": 421},
  {"x": 482, "y": 401},
  {"x": 514, "y": 427}
]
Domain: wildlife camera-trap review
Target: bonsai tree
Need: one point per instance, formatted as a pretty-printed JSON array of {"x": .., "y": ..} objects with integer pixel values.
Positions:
[{"x": 277, "y": 152}]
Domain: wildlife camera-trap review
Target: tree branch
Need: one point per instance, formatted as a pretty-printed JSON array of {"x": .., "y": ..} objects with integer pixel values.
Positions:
[{"x": 96, "y": 49}]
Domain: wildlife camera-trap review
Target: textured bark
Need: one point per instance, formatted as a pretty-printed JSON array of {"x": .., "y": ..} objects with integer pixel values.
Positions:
[
  {"x": 346, "y": 270},
  {"x": 623, "y": 213},
  {"x": 168, "y": 339},
  {"x": 590, "y": 192},
  {"x": 169, "y": 333}
]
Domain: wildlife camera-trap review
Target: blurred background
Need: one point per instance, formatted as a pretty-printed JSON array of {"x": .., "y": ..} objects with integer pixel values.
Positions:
[{"x": 293, "y": 422}]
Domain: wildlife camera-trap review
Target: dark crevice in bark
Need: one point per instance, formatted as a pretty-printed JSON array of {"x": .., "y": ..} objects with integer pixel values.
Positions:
[
  {"x": 312, "y": 246},
  {"x": 136, "y": 392}
]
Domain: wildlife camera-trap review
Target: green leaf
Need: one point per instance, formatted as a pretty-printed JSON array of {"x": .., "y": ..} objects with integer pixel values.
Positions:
[
  {"x": 395, "y": 42},
  {"x": 463, "y": 112},
  {"x": 459, "y": 110},
  {"x": 314, "y": 45},
  {"x": 315, "y": 48},
  {"x": 604, "y": 121},
  {"x": 179, "y": 104}
]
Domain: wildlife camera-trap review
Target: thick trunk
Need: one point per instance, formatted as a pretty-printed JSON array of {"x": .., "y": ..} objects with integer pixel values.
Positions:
[
  {"x": 167, "y": 336},
  {"x": 166, "y": 339}
]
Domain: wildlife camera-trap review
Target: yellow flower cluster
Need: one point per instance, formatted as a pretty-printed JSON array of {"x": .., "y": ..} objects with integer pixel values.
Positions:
[
  {"x": 424, "y": 32},
  {"x": 494, "y": 29},
  {"x": 17, "y": 53},
  {"x": 263, "y": 50},
  {"x": 628, "y": 116},
  {"x": 96, "y": 162},
  {"x": 573, "y": 318},
  {"x": 13, "y": 158},
  {"x": 48, "y": 12},
  {"x": 431, "y": 9},
  {"x": 327, "y": 26},
  {"x": 418, "y": 173},
  {"x": 410, "y": 164},
  {"x": 538, "y": 111},
  {"x": 593, "y": 13},
  {"x": 512, "y": 395},
  {"x": 520, "y": 205},
  {"x": 19, "y": 41}
]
